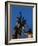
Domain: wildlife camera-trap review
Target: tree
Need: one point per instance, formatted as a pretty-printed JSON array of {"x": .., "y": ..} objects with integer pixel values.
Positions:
[{"x": 20, "y": 25}]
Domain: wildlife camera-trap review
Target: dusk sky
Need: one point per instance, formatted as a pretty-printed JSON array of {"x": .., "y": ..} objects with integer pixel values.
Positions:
[{"x": 26, "y": 13}]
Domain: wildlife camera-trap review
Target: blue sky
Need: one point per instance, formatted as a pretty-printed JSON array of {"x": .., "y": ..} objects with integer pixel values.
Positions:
[{"x": 26, "y": 13}]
